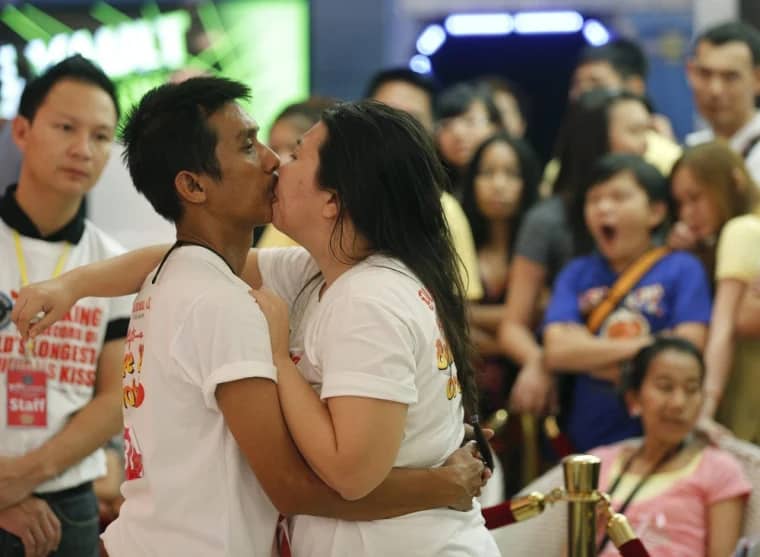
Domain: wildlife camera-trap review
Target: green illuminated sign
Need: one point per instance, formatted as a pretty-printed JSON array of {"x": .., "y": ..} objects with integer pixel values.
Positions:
[{"x": 263, "y": 43}]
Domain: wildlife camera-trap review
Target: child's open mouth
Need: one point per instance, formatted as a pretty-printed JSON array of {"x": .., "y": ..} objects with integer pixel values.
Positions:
[{"x": 608, "y": 232}]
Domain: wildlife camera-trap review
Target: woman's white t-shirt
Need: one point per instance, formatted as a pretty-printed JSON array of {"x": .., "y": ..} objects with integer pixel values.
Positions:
[{"x": 375, "y": 333}]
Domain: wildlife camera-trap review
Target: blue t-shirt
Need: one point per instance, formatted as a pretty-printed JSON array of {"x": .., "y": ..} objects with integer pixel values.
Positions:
[{"x": 674, "y": 291}]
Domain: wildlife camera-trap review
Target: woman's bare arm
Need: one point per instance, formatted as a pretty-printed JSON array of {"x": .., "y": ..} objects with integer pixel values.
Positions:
[
  {"x": 719, "y": 353},
  {"x": 534, "y": 386},
  {"x": 724, "y": 526}
]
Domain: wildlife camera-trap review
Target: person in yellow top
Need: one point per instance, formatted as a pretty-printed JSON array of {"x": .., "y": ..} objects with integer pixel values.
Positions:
[
  {"x": 718, "y": 218},
  {"x": 273, "y": 238}
]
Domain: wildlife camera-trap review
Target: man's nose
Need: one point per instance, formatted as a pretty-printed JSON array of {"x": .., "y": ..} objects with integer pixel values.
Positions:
[
  {"x": 81, "y": 145},
  {"x": 715, "y": 85},
  {"x": 270, "y": 159}
]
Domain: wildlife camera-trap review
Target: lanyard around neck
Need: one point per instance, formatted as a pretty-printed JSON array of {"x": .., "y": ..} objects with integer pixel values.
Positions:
[
  {"x": 179, "y": 244},
  {"x": 22, "y": 260},
  {"x": 667, "y": 457}
]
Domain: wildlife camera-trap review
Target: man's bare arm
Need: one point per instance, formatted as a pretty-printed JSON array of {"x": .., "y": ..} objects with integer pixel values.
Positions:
[{"x": 252, "y": 411}]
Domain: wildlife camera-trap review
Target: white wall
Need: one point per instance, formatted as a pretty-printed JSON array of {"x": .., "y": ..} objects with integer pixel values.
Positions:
[{"x": 709, "y": 12}]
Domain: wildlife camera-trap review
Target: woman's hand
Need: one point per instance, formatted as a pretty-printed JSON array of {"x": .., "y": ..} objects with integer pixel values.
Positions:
[
  {"x": 470, "y": 475},
  {"x": 41, "y": 304},
  {"x": 681, "y": 237},
  {"x": 275, "y": 310}
]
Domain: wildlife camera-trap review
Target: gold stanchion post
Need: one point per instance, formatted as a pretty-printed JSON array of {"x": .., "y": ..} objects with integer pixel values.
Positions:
[{"x": 581, "y": 482}]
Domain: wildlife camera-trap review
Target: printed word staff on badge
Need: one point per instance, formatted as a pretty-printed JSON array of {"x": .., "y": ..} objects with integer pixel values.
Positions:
[{"x": 26, "y": 396}]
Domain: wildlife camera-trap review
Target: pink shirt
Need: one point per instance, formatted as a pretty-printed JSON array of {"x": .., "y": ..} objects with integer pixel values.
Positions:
[{"x": 670, "y": 512}]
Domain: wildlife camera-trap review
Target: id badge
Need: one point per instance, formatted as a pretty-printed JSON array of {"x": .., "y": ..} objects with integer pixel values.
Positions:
[{"x": 26, "y": 396}]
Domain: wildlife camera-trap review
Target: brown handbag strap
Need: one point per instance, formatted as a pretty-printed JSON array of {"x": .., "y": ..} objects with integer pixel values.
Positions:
[{"x": 623, "y": 285}]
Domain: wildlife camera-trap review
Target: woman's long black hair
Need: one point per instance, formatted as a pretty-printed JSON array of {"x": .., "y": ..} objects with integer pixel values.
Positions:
[{"x": 383, "y": 167}]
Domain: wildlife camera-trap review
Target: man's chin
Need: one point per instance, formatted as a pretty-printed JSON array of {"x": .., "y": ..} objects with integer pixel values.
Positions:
[{"x": 264, "y": 219}]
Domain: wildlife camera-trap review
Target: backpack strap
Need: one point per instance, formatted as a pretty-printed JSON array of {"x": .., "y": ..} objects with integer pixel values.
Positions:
[{"x": 623, "y": 285}]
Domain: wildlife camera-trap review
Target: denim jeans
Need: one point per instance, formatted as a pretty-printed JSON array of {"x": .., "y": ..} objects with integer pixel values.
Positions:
[{"x": 80, "y": 525}]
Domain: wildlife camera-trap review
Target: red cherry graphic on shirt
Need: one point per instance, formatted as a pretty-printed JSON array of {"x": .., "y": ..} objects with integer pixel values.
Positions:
[{"x": 139, "y": 392}]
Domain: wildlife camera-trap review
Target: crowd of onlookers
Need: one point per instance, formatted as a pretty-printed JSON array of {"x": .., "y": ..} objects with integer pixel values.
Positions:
[
  {"x": 574, "y": 268},
  {"x": 613, "y": 293}
]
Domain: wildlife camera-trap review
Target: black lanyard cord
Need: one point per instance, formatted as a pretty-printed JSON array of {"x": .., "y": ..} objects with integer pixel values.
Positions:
[
  {"x": 660, "y": 463},
  {"x": 179, "y": 244}
]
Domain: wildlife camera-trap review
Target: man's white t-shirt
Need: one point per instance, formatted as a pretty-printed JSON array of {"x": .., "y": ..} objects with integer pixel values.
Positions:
[
  {"x": 189, "y": 490},
  {"x": 746, "y": 139},
  {"x": 69, "y": 351},
  {"x": 375, "y": 333}
]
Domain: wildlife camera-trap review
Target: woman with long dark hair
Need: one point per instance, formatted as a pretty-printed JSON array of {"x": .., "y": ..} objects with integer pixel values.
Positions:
[{"x": 377, "y": 307}]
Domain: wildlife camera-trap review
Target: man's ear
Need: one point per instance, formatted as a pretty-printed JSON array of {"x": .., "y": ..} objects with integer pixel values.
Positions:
[
  {"x": 658, "y": 211},
  {"x": 20, "y": 127},
  {"x": 691, "y": 71},
  {"x": 189, "y": 187},
  {"x": 756, "y": 75}
]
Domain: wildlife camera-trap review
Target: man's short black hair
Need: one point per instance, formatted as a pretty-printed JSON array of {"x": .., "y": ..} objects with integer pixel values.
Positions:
[
  {"x": 733, "y": 31},
  {"x": 624, "y": 55},
  {"x": 76, "y": 68},
  {"x": 168, "y": 132},
  {"x": 404, "y": 75},
  {"x": 631, "y": 58}
]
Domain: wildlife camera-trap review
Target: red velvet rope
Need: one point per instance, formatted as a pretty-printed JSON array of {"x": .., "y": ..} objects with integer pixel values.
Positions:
[
  {"x": 283, "y": 543},
  {"x": 498, "y": 515},
  {"x": 501, "y": 515},
  {"x": 561, "y": 445},
  {"x": 633, "y": 548}
]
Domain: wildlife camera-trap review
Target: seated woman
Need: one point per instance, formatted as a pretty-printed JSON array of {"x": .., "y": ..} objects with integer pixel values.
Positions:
[
  {"x": 681, "y": 496},
  {"x": 719, "y": 221}
]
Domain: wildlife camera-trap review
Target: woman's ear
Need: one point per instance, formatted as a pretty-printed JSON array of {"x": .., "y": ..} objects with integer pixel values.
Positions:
[
  {"x": 632, "y": 403},
  {"x": 331, "y": 207}
]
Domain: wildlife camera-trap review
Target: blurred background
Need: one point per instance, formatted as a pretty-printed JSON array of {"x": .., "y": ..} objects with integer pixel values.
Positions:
[{"x": 288, "y": 49}]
